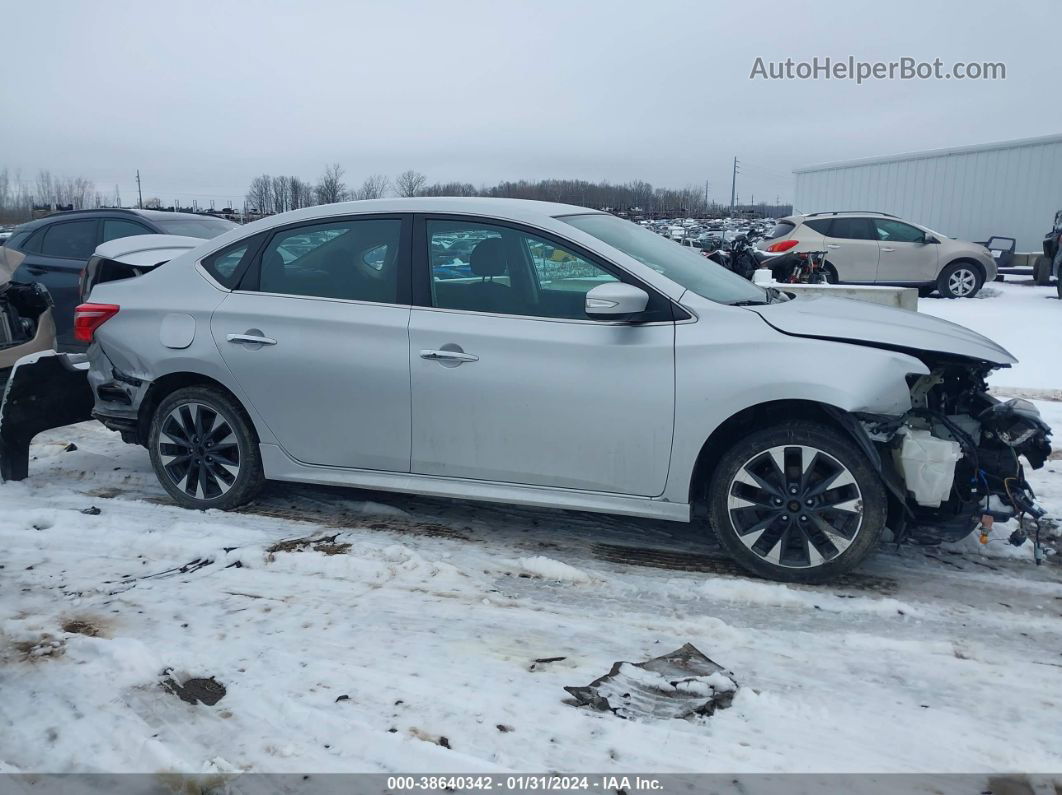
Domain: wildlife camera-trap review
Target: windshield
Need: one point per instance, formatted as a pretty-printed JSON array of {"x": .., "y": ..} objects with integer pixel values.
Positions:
[
  {"x": 205, "y": 228},
  {"x": 680, "y": 264}
]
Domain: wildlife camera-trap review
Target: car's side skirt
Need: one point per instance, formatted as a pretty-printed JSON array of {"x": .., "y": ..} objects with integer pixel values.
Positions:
[{"x": 279, "y": 466}]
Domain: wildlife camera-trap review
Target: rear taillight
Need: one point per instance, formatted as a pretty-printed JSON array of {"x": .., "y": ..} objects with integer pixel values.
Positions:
[
  {"x": 780, "y": 246},
  {"x": 89, "y": 317}
]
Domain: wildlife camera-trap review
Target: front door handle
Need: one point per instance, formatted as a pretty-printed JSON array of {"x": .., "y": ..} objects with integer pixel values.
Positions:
[
  {"x": 887, "y": 249},
  {"x": 253, "y": 339},
  {"x": 448, "y": 356}
]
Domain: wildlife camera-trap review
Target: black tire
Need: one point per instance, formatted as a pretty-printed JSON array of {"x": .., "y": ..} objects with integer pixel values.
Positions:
[
  {"x": 831, "y": 273},
  {"x": 792, "y": 545},
  {"x": 1058, "y": 286},
  {"x": 222, "y": 468},
  {"x": 1042, "y": 271},
  {"x": 960, "y": 280},
  {"x": 926, "y": 290}
]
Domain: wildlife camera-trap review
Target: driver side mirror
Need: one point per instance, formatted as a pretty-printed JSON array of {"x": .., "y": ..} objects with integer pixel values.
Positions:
[{"x": 616, "y": 301}]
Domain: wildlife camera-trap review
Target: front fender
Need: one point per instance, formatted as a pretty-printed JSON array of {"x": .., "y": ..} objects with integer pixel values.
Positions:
[{"x": 732, "y": 371}]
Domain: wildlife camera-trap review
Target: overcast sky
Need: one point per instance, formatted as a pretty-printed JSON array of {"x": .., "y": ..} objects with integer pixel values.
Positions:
[{"x": 202, "y": 97}]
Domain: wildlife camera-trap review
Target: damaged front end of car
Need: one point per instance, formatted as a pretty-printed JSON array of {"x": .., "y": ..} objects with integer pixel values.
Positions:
[{"x": 953, "y": 462}]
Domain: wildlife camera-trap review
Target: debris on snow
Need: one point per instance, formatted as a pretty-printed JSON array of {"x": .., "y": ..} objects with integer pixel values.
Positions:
[
  {"x": 681, "y": 684},
  {"x": 195, "y": 690}
]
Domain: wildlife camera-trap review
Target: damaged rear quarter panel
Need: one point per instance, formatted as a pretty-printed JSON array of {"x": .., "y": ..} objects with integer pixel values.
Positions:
[
  {"x": 730, "y": 360},
  {"x": 132, "y": 342}
]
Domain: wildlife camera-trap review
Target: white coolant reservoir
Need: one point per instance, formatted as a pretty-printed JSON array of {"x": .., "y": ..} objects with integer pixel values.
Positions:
[{"x": 927, "y": 465}]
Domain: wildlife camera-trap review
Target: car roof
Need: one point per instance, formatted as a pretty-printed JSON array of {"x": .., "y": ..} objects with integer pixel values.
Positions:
[
  {"x": 147, "y": 215},
  {"x": 799, "y": 217},
  {"x": 520, "y": 210}
]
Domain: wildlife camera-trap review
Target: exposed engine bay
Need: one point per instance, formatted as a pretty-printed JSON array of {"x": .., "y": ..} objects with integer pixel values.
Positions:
[{"x": 955, "y": 457}]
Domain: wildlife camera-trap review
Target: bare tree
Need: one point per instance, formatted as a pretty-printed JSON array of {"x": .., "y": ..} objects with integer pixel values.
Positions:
[
  {"x": 331, "y": 188},
  {"x": 260, "y": 194},
  {"x": 281, "y": 190},
  {"x": 409, "y": 183},
  {"x": 374, "y": 187}
]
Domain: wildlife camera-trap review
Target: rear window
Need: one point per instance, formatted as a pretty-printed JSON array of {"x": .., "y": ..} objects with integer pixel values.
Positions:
[
  {"x": 781, "y": 229},
  {"x": 205, "y": 228}
]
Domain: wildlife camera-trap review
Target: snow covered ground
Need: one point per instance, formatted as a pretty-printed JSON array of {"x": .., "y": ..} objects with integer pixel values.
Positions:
[{"x": 378, "y": 632}]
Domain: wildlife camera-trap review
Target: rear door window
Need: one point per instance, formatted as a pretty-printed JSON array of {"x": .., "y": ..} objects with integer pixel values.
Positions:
[
  {"x": 853, "y": 229},
  {"x": 70, "y": 240},
  {"x": 351, "y": 260}
]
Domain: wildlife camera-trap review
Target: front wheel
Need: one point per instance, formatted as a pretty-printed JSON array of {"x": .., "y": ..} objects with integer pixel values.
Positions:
[
  {"x": 960, "y": 280},
  {"x": 797, "y": 502},
  {"x": 203, "y": 449}
]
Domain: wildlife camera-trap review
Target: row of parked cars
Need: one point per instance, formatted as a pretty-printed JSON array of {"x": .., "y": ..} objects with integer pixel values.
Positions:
[{"x": 530, "y": 353}]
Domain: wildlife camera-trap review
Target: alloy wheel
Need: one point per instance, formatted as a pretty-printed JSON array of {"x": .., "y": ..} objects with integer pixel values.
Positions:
[
  {"x": 795, "y": 506},
  {"x": 962, "y": 282},
  {"x": 199, "y": 451}
]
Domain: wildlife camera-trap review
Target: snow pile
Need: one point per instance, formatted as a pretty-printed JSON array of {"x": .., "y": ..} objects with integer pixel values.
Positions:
[
  {"x": 770, "y": 594},
  {"x": 555, "y": 570}
]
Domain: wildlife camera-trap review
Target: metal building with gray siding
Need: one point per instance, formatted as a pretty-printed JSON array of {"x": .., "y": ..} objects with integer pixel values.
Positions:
[{"x": 1011, "y": 188}]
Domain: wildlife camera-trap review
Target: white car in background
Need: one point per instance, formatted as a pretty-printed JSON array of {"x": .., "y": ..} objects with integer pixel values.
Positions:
[{"x": 878, "y": 248}]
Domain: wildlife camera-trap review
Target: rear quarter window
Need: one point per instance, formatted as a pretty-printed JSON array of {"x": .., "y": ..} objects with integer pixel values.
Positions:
[
  {"x": 228, "y": 265},
  {"x": 781, "y": 229},
  {"x": 820, "y": 225}
]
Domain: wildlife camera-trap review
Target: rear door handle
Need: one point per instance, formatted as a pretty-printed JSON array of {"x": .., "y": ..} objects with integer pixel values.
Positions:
[
  {"x": 36, "y": 270},
  {"x": 254, "y": 339},
  {"x": 448, "y": 356},
  {"x": 887, "y": 249},
  {"x": 833, "y": 245}
]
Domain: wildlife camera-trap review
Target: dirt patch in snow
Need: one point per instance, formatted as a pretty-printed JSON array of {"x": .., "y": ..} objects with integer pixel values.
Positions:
[
  {"x": 678, "y": 560},
  {"x": 83, "y": 625},
  {"x": 355, "y": 522},
  {"x": 46, "y": 647}
]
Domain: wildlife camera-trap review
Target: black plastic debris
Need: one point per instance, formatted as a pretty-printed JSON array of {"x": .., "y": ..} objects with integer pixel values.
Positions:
[
  {"x": 92, "y": 511},
  {"x": 196, "y": 690},
  {"x": 682, "y": 684}
]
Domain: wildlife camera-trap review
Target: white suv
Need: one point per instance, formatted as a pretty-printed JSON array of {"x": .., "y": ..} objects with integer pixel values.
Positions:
[{"x": 878, "y": 248}]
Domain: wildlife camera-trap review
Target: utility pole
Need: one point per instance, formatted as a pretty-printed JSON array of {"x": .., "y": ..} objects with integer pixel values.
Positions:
[
  {"x": 139, "y": 195},
  {"x": 733, "y": 187},
  {"x": 706, "y": 195}
]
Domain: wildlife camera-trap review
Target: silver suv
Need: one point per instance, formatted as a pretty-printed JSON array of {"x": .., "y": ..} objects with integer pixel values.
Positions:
[
  {"x": 878, "y": 248},
  {"x": 550, "y": 355}
]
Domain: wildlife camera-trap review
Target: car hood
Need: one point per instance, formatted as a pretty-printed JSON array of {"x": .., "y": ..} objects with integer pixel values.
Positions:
[{"x": 849, "y": 320}]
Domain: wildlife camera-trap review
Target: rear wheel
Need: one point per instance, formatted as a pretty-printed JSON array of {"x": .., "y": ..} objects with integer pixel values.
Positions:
[
  {"x": 797, "y": 502},
  {"x": 960, "y": 280},
  {"x": 203, "y": 449},
  {"x": 926, "y": 291},
  {"x": 831, "y": 273}
]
